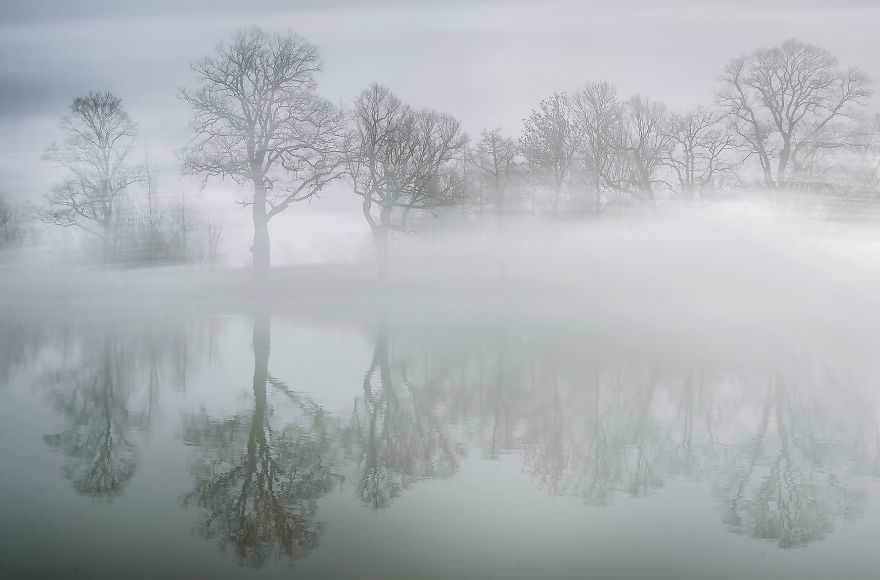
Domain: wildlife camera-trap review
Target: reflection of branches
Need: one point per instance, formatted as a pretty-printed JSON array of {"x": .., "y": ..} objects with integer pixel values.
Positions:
[
  {"x": 787, "y": 491},
  {"x": 396, "y": 435},
  {"x": 102, "y": 455},
  {"x": 97, "y": 389},
  {"x": 595, "y": 428},
  {"x": 258, "y": 485}
]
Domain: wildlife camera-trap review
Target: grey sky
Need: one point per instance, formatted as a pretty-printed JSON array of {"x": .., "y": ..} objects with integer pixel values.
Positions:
[{"x": 486, "y": 62}]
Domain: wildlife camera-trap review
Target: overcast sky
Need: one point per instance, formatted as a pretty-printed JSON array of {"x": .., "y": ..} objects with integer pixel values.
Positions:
[{"x": 487, "y": 62}]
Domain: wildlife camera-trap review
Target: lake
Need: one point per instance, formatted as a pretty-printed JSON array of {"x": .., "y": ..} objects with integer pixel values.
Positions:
[{"x": 405, "y": 442}]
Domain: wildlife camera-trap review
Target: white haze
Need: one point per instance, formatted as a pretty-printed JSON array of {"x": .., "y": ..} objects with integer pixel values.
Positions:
[{"x": 740, "y": 279}]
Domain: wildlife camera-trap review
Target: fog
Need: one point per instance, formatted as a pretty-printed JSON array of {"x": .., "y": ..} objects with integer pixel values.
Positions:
[{"x": 428, "y": 290}]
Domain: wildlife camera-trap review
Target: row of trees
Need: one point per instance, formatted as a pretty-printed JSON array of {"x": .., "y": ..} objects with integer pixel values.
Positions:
[{"x": 785, "y": 118}]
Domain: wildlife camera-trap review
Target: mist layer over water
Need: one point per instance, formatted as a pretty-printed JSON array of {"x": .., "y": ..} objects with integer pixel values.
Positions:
[{"x": 677, "y": 396}]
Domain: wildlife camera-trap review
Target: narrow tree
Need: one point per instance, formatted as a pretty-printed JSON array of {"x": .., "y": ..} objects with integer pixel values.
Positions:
[
  {"x": 10, "y": 224},
  {"x": 549, "y": 142},
  {"x": 643, "y": 144},
  {"x": 403, "y": 160},
  {"x": 258, "y": 120},
  {"x": 597, "y": 112},
  {"x": 496, "y": 159},
  {"x": 786, "y": 100},
  {"x": 99, "y": 139}
]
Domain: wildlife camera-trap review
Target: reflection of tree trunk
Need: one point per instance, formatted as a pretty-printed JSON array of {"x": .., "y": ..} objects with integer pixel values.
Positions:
[
  {"x": 257, "y": 435},
  {"x": 261, "y": 373},
  {"x": 499, "y": 385},
  {"x": 107, "y": 400},
  {"x": 756, "y": 449},
  {"x": 371, "y": 407}
]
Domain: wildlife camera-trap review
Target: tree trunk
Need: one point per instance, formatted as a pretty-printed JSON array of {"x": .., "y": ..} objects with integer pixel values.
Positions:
[
  {"x": 382, "y": 239},
  {"x": 107, "y": 231},
  {"x": 261, "y": 231},
  {"x": 784, "y": 157}
]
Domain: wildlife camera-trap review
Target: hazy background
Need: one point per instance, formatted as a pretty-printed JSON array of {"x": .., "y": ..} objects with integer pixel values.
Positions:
[{"x": 486, "y": 62}]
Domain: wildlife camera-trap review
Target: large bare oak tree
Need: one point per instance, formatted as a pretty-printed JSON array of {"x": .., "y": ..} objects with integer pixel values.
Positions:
[
  {"x": 258, "y": 120},
  {"x": 786, "y": 101}
]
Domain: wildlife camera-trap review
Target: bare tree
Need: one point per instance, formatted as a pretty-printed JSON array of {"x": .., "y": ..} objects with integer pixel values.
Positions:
[
  {"x": 258, "y": 120},
  {"x": 496, "y": 158},
  {"x": 549, "y": 142},
  {"x": 99, "y": 139},
  {"x": 699, "y": 152},
  {"x": 401, "y": 159},
  {"x": 10, "y": 224},
  {"x": 786, "y": 100},
  {"x": 598, "y": 111},
  {"x": 642, "y": 145}
]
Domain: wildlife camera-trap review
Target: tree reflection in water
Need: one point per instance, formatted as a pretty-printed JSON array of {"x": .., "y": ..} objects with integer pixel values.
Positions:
[
  {"x": 781, "y": 460},
  {"x": 398, "y": 432},
  {"x": 259, "y": 475},
  {"x": 98, "y": 388},
  {"x": 782, "y": 445},
  {"x": 788, "y": 483},
  {"x": 98, "y": 442}
]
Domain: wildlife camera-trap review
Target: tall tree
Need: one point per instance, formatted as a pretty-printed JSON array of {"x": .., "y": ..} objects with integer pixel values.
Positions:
[
  {"x": 99, "y": 138},
  {"x": 785, "y": 100},
  {"x": 642, "y": 145},
  {"x": 549, "y": 141},
  {"x": 598, "y": 111},
  {"x": 401, "y": 159},
  {"x": 496, "y": 159},
  {"x": 258, "y": 120}
]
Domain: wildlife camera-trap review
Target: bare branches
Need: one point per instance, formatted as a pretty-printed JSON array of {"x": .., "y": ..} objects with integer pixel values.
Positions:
[
  {"x": 400, "y": 158},
  {"x": 258, "y": 120},
  {"x": 699, "y": 151},
  {"x": 549, "y": 142},
  {"x": 256, "y": 117},
  {"x": 497, "y": 159},
  {"x": 99, "y": 139},
  {"x": 783, "y": 101}
]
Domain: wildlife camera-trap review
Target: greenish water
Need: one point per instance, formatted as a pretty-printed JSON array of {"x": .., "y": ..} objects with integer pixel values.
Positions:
[{"x": 278, "y": 446}]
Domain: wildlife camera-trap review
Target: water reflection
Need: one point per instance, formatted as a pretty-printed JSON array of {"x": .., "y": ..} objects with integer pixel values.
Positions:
[
  {"x": 788, "y": 483},
  {"x": 781, "y": 444},
  {"x": 784, "y": 441},
  {"x": 94, "y": 396},
  {"x": 398, "y": 433},
  {"x": 104, "y": 383},
  {"x": 260, "y": 473}
]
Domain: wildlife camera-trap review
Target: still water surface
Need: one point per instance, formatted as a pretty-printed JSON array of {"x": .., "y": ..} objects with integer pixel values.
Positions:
[{"x": 275, "y": 446}]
